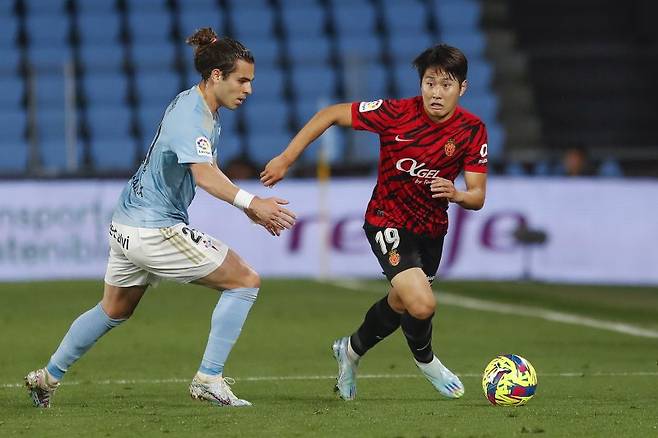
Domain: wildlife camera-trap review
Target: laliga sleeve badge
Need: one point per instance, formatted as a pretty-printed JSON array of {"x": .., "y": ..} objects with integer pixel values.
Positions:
[
  {"x": 203, "y": 147},
  {"x": 364, "y": 107},
  {"x": 393, "y": 257}
]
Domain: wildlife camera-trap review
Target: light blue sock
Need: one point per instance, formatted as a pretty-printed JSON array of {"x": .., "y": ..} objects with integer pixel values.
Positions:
[
  {"x": 227, "y": 321},
  {"x": 84, "y": 332}
]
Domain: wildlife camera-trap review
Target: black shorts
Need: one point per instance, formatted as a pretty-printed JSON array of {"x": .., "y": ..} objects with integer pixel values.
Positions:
[{"x": 398, "y": 250}]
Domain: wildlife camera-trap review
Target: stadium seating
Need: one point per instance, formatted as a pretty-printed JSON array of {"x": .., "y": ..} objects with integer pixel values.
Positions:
[
  {"x": 356, "y": 18},
  {"x": 14, "y": 158},
  {"x": 365, "y": 81},
  {"x": 263, "y": 146},
  {"x": 99, "y": 28},
  {"x": 96, "y": 7},
  {"x": 11, "y": 92},
  {"x": 102, "y": 58},
  {"x": 105, "y": 89},
  {"x": 309, "y": 53},
  {"x": 303, "y": 21},
  {"x": 266, "y": 52},
  {"x": 12, "y": 125},
  {"x": 191, "y": 19},
  {"x": 116, "y": 154},
  {"x": 310, "y": 50},
  {"x": 9, "y": 31},
  {"x": 229, "y": 147},
  {"x": 267, "y": 116},
  {"x": 107, "y": 122},
  {"x": 150, "y": 27},
  {"x": 404, "y": 18}
]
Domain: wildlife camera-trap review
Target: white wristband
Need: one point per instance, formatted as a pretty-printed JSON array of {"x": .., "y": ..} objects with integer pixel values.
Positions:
[{"x": 242, "y": 199}]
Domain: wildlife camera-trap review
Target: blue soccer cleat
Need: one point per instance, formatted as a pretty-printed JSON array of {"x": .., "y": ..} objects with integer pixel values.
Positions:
[
  {"x": 346, "y": 380},
  {"x": 443, "y": 380}
]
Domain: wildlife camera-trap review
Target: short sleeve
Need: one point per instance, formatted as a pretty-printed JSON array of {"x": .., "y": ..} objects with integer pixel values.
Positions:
[
  {"x": 475, "y": 159},
  {"x": 375, "y": 116},
  {"x": 192, "y": 144}
]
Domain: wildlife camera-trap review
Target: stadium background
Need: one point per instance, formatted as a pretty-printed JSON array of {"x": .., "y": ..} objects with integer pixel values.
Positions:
[{"x": 83, "y": 84}]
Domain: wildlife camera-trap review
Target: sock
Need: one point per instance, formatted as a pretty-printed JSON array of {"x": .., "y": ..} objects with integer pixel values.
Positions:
[
  {"x": 83, "y": 333},
  {"x": 380, "y": 321},
  {"x": 419, "y": 336},
  {"x": 225, "y": 327}
]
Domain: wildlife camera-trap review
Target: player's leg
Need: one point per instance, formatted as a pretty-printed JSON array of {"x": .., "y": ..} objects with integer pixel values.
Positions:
[
  {"x": 186, "y": 255},
  {"x": 117, "y": 305},
  {"x": 413, "y": 290},
  {"x": 125, "y": 284},
  {"x": 240, "y": 285}
]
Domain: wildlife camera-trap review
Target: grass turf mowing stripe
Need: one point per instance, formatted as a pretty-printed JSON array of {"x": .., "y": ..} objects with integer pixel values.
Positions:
[{"x": 520, "y": 310}]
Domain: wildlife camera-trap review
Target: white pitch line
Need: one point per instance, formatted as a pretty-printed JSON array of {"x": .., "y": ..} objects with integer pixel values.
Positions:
[
  {"x": 326, "y": 377},
  {"x": 521, "y": 310}
]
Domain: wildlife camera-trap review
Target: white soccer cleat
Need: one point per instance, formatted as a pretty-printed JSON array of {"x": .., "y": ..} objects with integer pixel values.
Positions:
[
  {"x": 216, "y": 390},
  {"x": 41, "y": 387},
  {"x": 443, "y": 380},
  {"x": 346, "y": 380}
]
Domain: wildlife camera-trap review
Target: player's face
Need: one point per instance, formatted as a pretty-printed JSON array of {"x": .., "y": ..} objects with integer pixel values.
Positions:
[
  {"x": 232, "y": 91},
  {"x": 441, "y": 94}
]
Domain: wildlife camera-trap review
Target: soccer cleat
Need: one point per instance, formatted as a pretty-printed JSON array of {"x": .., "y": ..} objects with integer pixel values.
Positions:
[
  {"x": 40, "y": 386},
  {"x": 441, "y": 378},
  {"x": 216, "y": 390},
  {"x": 346, "y": 380}
]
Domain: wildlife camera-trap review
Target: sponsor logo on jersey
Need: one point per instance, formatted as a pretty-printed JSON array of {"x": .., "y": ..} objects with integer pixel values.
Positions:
[
  {"x": 203, "y": 147},
  {"x": 413, "y": 168},
  {"x": 449, "y": 147},
  {"x": 393, "y": 257},
  {"x": 364, "y": 107},
  {"x": 398, "y": 138}
]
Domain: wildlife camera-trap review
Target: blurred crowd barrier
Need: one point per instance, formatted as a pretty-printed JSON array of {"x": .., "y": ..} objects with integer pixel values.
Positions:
[{"x": 585, "y": 230}]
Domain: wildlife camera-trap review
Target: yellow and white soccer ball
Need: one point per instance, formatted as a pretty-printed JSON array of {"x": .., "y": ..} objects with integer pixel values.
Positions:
[{"x": 509, "y": 380}]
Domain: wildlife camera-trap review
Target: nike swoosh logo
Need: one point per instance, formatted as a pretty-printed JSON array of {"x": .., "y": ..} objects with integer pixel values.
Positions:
[{"x": 398, "y": 138}]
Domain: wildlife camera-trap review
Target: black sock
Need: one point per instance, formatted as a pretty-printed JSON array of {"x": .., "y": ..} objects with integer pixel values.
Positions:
[
  {"x": 380, "y": 321},
  {"x": 419, "y": 336}
]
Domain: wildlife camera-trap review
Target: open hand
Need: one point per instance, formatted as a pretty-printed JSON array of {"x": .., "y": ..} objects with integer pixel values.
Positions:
[{"x": 271, "y": 215}]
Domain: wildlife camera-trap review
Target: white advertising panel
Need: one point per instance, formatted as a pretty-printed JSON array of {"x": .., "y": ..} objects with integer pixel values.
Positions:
[{"x": 599, "y": 231}]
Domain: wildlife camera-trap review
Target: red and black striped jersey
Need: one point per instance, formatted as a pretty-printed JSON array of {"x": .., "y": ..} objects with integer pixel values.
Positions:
[{"x": 413, "y": 151}]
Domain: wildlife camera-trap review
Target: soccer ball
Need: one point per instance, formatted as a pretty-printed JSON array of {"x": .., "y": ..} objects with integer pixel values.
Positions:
[{"x": 509, "y": 380}]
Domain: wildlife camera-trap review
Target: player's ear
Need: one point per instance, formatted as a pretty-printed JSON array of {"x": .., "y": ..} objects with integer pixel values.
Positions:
[
  {"x": 463, "y": 87},
  {"x": 216, "y": 74}
]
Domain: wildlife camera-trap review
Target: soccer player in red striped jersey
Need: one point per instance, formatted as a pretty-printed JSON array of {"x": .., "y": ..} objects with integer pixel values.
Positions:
[{"x": 425, "y": 143}]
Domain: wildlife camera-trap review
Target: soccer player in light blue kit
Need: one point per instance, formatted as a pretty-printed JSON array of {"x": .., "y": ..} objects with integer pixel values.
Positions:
[{"x": 149, "y": 235}]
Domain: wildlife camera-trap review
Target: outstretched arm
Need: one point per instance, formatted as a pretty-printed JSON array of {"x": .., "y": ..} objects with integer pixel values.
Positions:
[
  {"x": 268, "y": 212},
  {"x": 471, "y": 199},
  {"x": 339, "y": 114}
]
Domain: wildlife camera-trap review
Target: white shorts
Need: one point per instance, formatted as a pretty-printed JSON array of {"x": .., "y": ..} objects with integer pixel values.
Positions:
[{"x": 141, "y": 256}]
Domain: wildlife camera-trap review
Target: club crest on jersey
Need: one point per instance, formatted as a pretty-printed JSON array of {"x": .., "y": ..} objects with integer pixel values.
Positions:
[
  {"x": 393, "y": 257},
  {"x": 203, "y": 147},
  {"x": 364, "y": 107},
  {"x": 450, "y": 147}
]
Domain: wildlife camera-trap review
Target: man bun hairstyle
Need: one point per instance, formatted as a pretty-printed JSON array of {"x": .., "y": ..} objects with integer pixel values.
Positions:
[
  {"x": 446, "y": 58},
  {"x": 212, "y": 52}
]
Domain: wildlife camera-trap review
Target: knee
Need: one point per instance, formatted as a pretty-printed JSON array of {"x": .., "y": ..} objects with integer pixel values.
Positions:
[
  {"x": 118, "y": 310},
  {"x": 422, "y": 309},
  {"x": 251, "y": 279}
]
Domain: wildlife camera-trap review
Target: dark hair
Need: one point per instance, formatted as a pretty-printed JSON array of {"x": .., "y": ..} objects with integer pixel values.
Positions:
[
  {"x": 212, "y": 52},
  {"x": 446, "y": 58}
]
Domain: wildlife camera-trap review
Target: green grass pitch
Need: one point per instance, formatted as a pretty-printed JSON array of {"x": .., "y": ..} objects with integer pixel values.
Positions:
[{"x": 592, "y": 381}]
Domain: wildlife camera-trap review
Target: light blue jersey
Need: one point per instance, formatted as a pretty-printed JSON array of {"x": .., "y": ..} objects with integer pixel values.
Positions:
[{"x": 163, "y": 187}]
